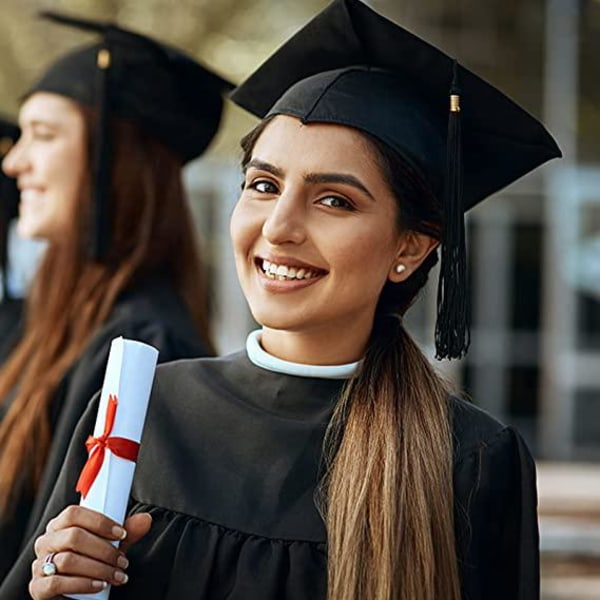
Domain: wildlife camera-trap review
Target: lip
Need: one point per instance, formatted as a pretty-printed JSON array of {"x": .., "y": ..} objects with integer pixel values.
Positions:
[{"x": 29, "y": 186}]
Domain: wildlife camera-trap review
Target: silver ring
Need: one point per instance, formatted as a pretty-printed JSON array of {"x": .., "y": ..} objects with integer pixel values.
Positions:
[{"x": 49, "y": 567}]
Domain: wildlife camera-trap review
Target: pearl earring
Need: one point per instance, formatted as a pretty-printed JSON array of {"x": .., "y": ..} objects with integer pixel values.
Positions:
[{"x": 400, "y": 268}]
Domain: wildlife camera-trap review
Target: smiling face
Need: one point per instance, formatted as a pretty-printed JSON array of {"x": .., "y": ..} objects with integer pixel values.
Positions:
[
  {"x": 315, "y": 233},
  {"x": 50, "y": 164}
]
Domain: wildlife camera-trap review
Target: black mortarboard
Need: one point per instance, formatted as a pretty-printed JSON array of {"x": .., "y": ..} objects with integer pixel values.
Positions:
[
  {"x": 353, "y": 67},
  {"x": 131, "y": 76},
  {"x": 9, "y": 197}
]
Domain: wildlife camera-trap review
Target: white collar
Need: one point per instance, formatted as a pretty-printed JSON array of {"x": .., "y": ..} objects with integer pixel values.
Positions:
[{"x": 263, "y": 359}]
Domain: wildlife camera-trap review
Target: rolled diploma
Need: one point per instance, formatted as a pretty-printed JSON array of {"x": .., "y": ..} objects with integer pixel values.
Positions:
[{"x": 129, "y": 376}]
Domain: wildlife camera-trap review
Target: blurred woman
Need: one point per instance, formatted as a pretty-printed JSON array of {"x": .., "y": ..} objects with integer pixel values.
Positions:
[
  {"x": 329, "y": 460},
  {"x": 99, "y": 169}
]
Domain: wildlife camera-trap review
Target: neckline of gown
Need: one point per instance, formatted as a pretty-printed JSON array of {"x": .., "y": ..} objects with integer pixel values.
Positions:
[{"x": 261, "y": 358}]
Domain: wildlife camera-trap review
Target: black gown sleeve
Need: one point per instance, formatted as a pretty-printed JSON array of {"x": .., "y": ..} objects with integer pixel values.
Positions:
[{"x": 496, "y": 520}]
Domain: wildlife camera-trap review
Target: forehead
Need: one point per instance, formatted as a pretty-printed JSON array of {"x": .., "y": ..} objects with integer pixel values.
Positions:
[
  {"x": 314, "y": 147},
  {"x": 51, "y": 108}
]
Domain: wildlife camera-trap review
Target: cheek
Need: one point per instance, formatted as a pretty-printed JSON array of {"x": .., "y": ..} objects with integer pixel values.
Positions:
[
  {"x": 236, "y": 228},
  {"x": 79, "y": 170},
  {"x": 245, "y": 228},
  {"x": 62, "y": 166},
  {"x": 64, "y": 186},
  {"x": 366, "y": 255}
]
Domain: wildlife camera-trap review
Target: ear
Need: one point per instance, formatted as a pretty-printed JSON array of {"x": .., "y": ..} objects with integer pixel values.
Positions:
[{"x": 413, "y": 249}]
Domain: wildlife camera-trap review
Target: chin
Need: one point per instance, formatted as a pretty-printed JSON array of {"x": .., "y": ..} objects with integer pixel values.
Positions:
[
  {"x": 30, "y": 231},
  {"x": 280, "y": 320},
  {"x": 26, "y": 230}
]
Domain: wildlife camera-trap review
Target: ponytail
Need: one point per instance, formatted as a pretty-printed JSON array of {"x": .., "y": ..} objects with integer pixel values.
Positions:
[{"x": 389, "y": 480}]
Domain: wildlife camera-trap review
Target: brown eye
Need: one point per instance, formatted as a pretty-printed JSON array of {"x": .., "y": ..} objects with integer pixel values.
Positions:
[
  {"x": 42, "y": 134},
  {"x": 337, "y": 202},
  {"x": 45, "y": 137},
  {"x": 264, "y": 187}
]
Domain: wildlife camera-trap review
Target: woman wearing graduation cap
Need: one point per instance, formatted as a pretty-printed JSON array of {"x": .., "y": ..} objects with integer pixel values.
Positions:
[
  {"x": 328, "y": 460},
  {"x": 105, "y": 133}
]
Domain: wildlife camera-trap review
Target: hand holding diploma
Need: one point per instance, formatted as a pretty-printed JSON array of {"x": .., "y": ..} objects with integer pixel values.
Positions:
[
  {"x": 78, "y": 555},
  {"x": 81, "y": 544}
]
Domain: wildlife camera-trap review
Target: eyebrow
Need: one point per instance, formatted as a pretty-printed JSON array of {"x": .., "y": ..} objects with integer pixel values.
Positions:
[
  {"x": 343, "y": 178},
  {"x": 264, "y": 166}
]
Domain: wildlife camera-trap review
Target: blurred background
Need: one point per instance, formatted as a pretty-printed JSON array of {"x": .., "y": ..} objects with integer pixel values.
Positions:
[{"x": 534, "y": 248}]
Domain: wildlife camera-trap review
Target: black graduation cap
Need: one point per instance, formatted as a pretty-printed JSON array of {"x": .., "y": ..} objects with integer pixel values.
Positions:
[
  {"x": 9, "y": 197},
  {"x": 125, "y": 74},
  {"x": 351, "y": 66}
]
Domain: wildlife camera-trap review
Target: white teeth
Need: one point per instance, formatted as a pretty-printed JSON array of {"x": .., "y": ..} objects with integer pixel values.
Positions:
[{"x": 283, "y": 272}]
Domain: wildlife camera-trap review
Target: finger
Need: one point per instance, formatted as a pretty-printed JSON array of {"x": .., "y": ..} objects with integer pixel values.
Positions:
[
  {"x": 137, "y": 527},
  {"x": 70, "y": 563},
  {"x": 55, "y": 587},
  {"x": 77, "y": 516},
  {"x": 79, "y": 541}
]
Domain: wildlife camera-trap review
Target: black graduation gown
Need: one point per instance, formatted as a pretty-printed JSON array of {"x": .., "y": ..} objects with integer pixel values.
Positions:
[
  {"x": 228, "y": 467},
  {"x": 151, "y": 312}
]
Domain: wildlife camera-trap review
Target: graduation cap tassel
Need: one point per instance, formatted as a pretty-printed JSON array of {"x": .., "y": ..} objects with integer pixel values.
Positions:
[
  {"x": 452, "y": 336},
  {"x": 100, "y": 217}
]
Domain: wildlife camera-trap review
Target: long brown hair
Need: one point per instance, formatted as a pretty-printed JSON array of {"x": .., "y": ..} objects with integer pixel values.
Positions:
[
  {"x": 71, "y": 296},
  {"x": 387, "y": 492}
]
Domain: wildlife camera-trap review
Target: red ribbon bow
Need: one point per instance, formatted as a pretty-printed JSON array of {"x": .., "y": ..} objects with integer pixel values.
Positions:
[{"x": 96, "y": 447}]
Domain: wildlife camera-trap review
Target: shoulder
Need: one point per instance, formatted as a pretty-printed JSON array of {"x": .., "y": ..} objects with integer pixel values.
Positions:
[
  {"x": 152, "y": 301},
  {"x": 213, "y": 372},
  {"x": 188, "y": 396},
  {"x": 153, "y": 313},
  {"x": 475, "y": 431},
  {"x": 495, "y": 504},
  {"x": 492, "y": 463}
]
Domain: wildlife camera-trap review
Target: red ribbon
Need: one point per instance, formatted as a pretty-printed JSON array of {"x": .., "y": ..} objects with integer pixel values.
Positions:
[{"x": 96, "y": 447}]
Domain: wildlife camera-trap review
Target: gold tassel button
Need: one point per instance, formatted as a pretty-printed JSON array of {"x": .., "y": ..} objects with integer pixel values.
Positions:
[
  {"x": 454, "y": 103},
  {"x": 103, "y": 60}
]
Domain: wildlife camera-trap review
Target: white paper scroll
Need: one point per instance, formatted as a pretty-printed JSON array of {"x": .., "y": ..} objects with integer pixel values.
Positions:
[{"x": 129, "y": 376}]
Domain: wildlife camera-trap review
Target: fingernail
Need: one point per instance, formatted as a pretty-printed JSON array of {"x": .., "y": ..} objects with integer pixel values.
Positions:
[
  {"x": 122, "y": 562},
  {"x": 121, "y": 577},
  {"x": 99, "y": 585},
  {"x": 119, "y": 532}
]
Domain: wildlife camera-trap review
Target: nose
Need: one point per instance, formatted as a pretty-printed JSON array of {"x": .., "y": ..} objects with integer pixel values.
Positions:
[
  {"x": 286, "y": 223},
  {"x": 14, "y": 162}
]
